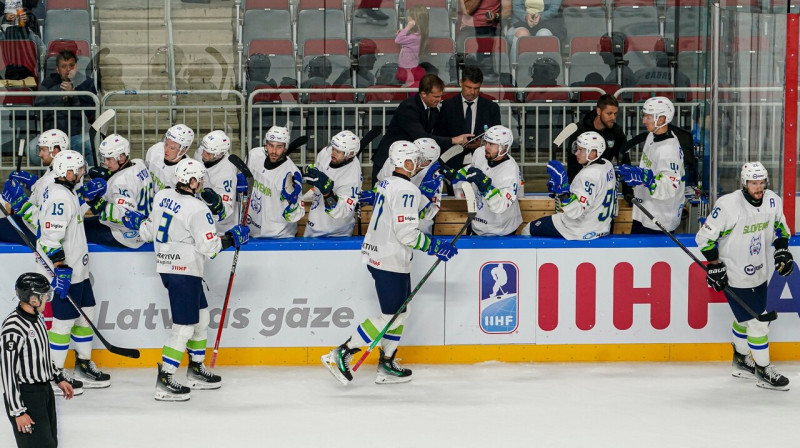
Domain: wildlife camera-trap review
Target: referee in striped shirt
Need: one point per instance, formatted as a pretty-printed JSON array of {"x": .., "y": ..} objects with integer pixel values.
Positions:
[{"x": 26, "y": 367}]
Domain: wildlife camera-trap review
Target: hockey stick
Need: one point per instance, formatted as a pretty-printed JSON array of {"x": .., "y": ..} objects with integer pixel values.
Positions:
[
  {"x": 100, "y": 126},
  {"x": 20, "y": 152},
  {"x": 242, "y": 167},
  {"x": 44, "y": 261},
  {"x": 766, "y": 317},
  {"x": 371, "y": 135},
  {"x": 469, "y": 195},
  {"x": 296, "y": 143},
  {"x": 557, "y": 142}
]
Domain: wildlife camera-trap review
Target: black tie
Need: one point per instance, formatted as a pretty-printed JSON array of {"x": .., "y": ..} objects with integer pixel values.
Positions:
[
  {"x": 468, "y": 117},
  {"x": 429, "y": 118}
]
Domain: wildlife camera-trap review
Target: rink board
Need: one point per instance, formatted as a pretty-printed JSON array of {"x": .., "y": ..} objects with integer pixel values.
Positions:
[{"x": 510, "y": 299}]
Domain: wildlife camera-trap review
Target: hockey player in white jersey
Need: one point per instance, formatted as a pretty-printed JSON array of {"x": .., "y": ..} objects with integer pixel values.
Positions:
[
  {"x": 25, "y": 207},
  {"x": 588, "y": 205},
  {"x": 63, "y": 239},
  {"x": 275, "y": 205},
  {"x": 129, "y": 187},
  {"x": 162, "y": 157},
  {"x": 223, "y": 181},
  {"x": 184, "y": 235},
  {"x": 336, "y": 181},
  {"x": 387, "y": 249},
  {"x": 659, "y": 180},
  {"x": 496, "y": 176},
  {"x": 736, "y": 239}
]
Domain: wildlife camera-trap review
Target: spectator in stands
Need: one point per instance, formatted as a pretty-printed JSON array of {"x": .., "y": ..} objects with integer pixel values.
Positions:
[
  {"x": 603, "y": 120},
  {"x": 480, "y": 18},
  {"x": 544, "y": 72},
  {"x": 429, "y": 68},
  {"x": 67, "y": 79},
  {"x": 413, "y": 41},
  {"x": 535, "y": 18},
  {"x": 468, "y": 113},
  {"x": 318, "y": 69},
  {"x": 18, "y": 22},
  {"x": 415, "y": 118},
  {"x": 366, "y": 63},
  {"x": 387, "y": 75},
  {"x": 369, "y": 10}
]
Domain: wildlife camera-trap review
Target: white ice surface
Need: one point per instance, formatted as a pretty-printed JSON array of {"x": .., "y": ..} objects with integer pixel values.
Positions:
[{"x": 482, "y": 405}]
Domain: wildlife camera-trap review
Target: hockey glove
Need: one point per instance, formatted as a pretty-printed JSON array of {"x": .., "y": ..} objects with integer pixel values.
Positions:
[
  {"x": 241, "y": 184},
  {"x": 432, "y": 182},
  {"x": 366, "y": 197},
  {"x": 449, "y": 173},
  {"x": 14, "y": 195},
  {"x": 442, "y": 248},
  {"x": 783, "y": 261},
  {"x": 61, "y": 281},
  {"x": 133, "y": 220},
  {"x": 292, "y": 187},
  {"x": 633, "y": 176},
  {"x": 92, "y": 189},
  {"x": 717, "y": 276},
  {"x": 482, "y": 181},
  {"x": 318, "y": 179},
  {"x": 214, "y": 202},
  {"x": 558, "y": 182},
  {"x": 97, "y": 172},
  {"x": 24, "y": 178},
  {"x": 239, "y": 234}
]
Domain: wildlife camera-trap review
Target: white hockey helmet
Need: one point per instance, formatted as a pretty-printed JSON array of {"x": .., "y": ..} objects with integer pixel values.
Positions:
[
  {"x": 188, "y": 169},
  {"x": 501, "y": 136},
  {"x": 114, "y": 146},
  {"x": 216, "y": 143},
  {"x": 753, "y": 171},
  {"x": 278, "y": 134},
  {"x": 403, "y": 150},
  {"x": 430, "y": 149},
  {"x": 52, "y": 138},
  {"x": 347, "y": 142},
  {"x": 182, "y": 135},
  {"x": 66, "y": 161},
  {"x": 590, "y": 141},
  {"x": 659, "y": 106}
]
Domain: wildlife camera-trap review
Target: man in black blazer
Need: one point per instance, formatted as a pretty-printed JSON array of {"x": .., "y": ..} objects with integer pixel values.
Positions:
[
  {"x": 415, "y": 118},
  {"x": 481, "y": 112}
]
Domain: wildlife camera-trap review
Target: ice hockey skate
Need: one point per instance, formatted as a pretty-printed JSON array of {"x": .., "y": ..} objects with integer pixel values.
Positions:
[
  {"x": 199, "y": 377},
  {"x": 390, "y": 372},
  {"x": 77, "y": 386},
  {"x": 338, "y": 362},
  {"x": 167, "y": 389},
  {"x": 743, "y": 366},
  {"x": 90, "y": 375},
  {"x": 769, "y": 378},
  {"x": 372, "y": 16}
]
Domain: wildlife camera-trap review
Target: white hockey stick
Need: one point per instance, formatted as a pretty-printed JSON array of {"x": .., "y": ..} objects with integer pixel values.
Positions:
[
  {"x": 101, "y": 123},
  {"x": 557, "y": 142}
]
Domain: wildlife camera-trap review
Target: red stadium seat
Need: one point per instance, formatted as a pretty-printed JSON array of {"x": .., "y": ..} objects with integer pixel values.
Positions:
[
  {"x": 332, "y": 97},
  {"x": 275, "y": 97},
  {"x": 319, "y": 4},
  {"x": 67, "y": 4},
  {"x": 79, "y": 47},
  {"x": 585, "y": 97},
  {"x": 664, "y": 90},
  {"x": 266, "y": 4},
  {"x": 377, "y": 96}
]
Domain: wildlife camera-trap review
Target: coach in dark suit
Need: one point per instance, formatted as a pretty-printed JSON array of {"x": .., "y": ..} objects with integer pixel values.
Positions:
[
  {"x": 415, "y": 118},
  {"x": 468, "y": 113}
]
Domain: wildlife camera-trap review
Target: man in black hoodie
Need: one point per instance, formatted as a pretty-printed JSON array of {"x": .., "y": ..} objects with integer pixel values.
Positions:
[{"x": 602, "y": 120}]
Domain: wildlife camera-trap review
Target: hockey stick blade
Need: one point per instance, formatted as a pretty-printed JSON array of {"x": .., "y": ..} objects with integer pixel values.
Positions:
[
  {"x": 766, "y": 317},
  {"x": 565, "y": 134},
  {"x": 101, "y": 123},
  {"x": 20, "y": 153},
  {"x": 469, "y": 196},
  {"x": 371, "y": 135},
  {"x": 241, "y": 166},
  {"x": 450, "y": 153},
  {"x": 296, "y": 143}
]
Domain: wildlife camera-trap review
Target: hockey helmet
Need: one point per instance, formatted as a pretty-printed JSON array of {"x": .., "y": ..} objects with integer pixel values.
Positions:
[
  {"x": 430, "y": 149},
  {"x": 66, "y": 161},
  {"x": 499, "y": 135},
  {"x": 590, "y": 141},
  {"x": 753, "y": 171},
  {"x": 659, "y": 106},
  {"x": 32, "y": 284},
  {"x": 278, "y": 134},
  {"x": 215, "y": 143},
  {"x": 403, "y": 150},
  {"x": 54, "y": 138},
  {"x": 347, "y": 142},
  {"x": 114, "y": 146},
  {"x": 188, "y": 169},
  {"x": 182, "y": 135}
]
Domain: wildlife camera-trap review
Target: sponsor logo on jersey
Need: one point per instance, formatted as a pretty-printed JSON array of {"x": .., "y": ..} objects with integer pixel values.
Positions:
[
  {"x": 164, "y": 256},
  {"x": 755, "y": 245},
  {"x": 750, "y": 269},
  {"x": 499, "y": 297},
  {"x": 349, "y": 201},
  {"x": 179, "y": 268},
  {"x": 590, "y": 235},
  {"x": 406, "y": 218},
  {"x": 401, "y": 218},
  {"x": 53, "y": 225},
  {"x": 583, "y": 199},
  {"x": 210, "y": 235},
  {"x": 85, "y": 260}
]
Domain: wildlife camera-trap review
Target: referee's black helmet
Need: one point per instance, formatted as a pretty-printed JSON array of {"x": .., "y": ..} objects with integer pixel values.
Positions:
[{"x": 30, "y": 284}]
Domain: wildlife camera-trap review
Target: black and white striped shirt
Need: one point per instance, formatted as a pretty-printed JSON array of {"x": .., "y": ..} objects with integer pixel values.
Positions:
[{"x": 24, "y": 356}]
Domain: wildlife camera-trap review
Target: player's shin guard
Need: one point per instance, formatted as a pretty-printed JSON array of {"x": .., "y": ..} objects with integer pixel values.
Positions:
[
  {"x": 172, "y": 353},
  {"x": 392, "y": 336},
  {"x": 743, "y": 365},
  {"x": 198, "y": 341},
  {"x": 59, "y": 335},
  {"x": 758, "y": 341},
  {"x": 82, "y": 334},
  {"x": 198, "y": 376}
]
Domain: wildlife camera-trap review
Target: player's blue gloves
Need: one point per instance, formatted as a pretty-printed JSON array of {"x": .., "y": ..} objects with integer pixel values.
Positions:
[
  {"x": 633, "y": 176},
  {"x": 133, "y": 220},
  {"x": 24, "y": 178},
  {"x": 97, "y": 172},
  {"x": 214, "y": 202},
  {"x": 441, "y": 248},
  {"x": 318, "y": 179},
  {"x": 431, "y": 182},
  {"x": 14, "y": 195},
  {"x": 717, "y": 276},
  {"x": 558, "y": 182},
  {"x": 292, "y": 187},
  {"x": 783, "y": 261},
  {"x": 239, "y": 234},
  {"x": 241, "y": 184},
  {"x": 366, "y": 197},
  {"x": 61, "y": 281},
  {"x": 92, "y": 189},
  {"x": 449, "y": 173},
  {"x": 476, "y": 176}
]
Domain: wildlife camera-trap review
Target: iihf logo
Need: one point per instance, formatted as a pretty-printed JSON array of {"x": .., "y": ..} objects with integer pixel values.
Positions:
[{"x": 499, "y": 305}]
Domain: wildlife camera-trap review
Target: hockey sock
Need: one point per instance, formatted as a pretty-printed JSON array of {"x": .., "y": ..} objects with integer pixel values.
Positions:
[
  {"x": 392, "y": 336},
  {"x": 59, "y": 340},
  {"x": 371, "y": 328},
  {"x": 82, "y": 334},
  {"x": 172, "y": 353},
  {"x": 197, "y": 342},
  {"x": 740, "y": 338},
  {"x": 758, "y": 341}
]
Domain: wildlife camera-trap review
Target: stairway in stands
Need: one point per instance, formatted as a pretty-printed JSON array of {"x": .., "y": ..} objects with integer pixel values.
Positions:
[{"x": 132, "y": 48}]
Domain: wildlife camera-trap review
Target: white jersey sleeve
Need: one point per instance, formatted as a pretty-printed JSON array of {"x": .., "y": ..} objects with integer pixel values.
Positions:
[
  {"x": 132, "y": 185},
  {"x": 30, "y": 210},
  {"x": 592, "y": 204},
  {"x": 162, "y": 173},
  {"x": 663, "y": 156},
  {"x": 339, "y": 220},
  {"x": 498, "y": 211},
  {"x": 61, "y": 229},
  {"x": 221, "y": 177},
  {"x": 428, "y": 207},
  {"x": 270, "y": 215}
]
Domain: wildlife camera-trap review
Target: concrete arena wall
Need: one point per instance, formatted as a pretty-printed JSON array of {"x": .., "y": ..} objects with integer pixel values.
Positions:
[{"x": 619, "y": 298}]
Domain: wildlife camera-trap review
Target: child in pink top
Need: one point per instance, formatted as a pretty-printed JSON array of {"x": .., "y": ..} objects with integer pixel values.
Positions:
[{"x": 413, "y": 41}]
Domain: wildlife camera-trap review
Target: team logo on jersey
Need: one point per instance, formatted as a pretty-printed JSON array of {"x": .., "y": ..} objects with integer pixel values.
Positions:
[
  {"x": 499, "y": 297},
  {"x": 755, "y": 245}
]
